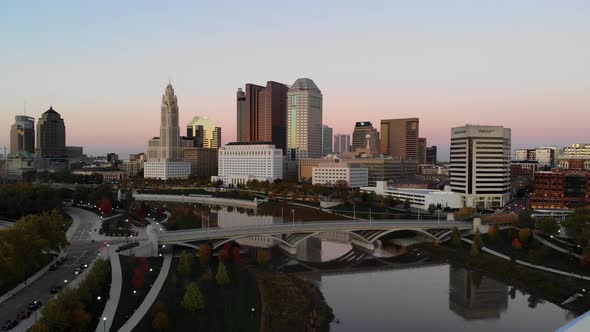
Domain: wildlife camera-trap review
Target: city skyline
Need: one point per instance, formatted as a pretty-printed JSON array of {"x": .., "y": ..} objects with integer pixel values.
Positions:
[{"x": 492, "y": 62}]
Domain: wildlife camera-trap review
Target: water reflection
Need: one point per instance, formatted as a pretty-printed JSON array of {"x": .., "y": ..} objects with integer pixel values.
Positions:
[{"x": 474, "y": 296}]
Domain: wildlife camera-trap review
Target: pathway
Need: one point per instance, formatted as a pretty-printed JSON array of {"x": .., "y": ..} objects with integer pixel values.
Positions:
[{"x": 115, "y": 293}]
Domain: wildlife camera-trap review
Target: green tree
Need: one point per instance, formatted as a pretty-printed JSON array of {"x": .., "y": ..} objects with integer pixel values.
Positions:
[
  {"x": 523, "y": 235},
  {"x": 456, "y": 238},
  {"x": 184, "y": 264},
  {"x": 222, "y": 277},
  {"x": 548, "y": 225},
  {"x": 193, "y": 299},
  {"x": 474, "y": 250},
  {"x": 477, "y": 239},
  {"x": 525, "y": 220},
  {"x": 431, "y": 208}
]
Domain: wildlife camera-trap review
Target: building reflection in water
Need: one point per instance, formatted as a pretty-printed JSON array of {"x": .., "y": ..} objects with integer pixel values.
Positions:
[
  {"x": 474, "y": 296},
  {"x": 236, "y": 219}
]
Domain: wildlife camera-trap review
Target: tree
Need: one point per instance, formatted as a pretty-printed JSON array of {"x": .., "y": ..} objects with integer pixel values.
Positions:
[
  {"x": 494, "y": 233},
  {"x": 477, "y": 239},
  {"x": 106, "y": 206},
  {"x": 192, "y": 299},
  {"x": 525, "y": 220},
  {"x": 548, "y": 225},
  {"x": 262, "y": 257},
  {"x": 160, "y": 322},
  {"x": 524, "y": 235},
  {"x": 474, "y": 250},
  {"x": 222, "y": 276},
  {"x": 516, "y": 244},
  {"x": 204, "y": 254},
  {"x": 236, "y": 255},
  {"x": 184, "y": 264},
  {"x": 431, "y": 208},
  {"x": 456, "y": 238}
]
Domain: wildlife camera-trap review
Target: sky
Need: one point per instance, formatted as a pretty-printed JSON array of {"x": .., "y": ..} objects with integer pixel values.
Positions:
[{"x": 104, "y": 65}]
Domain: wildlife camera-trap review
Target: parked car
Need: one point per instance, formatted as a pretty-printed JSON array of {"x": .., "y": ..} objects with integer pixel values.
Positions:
[
  {"x": 55, "y": 288},
  {"x": 23, "y": 315},
  {"x": 53, "y": 267},
  {"x": 35, "y": 305},
  {"x": 9, "y": 325},
  {"x": 83, "y": 266}
]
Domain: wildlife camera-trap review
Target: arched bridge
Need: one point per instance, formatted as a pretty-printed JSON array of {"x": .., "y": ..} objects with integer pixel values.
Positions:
[{"x": 363, "y": 233}]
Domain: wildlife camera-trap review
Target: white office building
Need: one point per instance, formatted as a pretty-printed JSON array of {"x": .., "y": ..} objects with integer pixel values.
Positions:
[
  {"x": 330, "y": 174},
  {"x": 166, "y": 169},
  {"x": 419, "y": 198},
  {"x": 480, "y": 165},
  {"x": 304, "y": 120},
  {"x": 241, "y": 162}
]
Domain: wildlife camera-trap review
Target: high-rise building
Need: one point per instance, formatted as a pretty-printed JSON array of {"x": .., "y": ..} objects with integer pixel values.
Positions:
[
  {"x": 365, "y": 136},
  {"x": 203, "y": 161},
  {"x": 341, "y": 143},
  {"x": 431, "y": 155},
  {"x": 326, "y": 140},
  {"x": 480, "y": 165},
  {"x": 262, "y": 114},
  {"x": 544, "y": 156},
  {"x": 241, "y": 162},
  {"x": 399, "y": 138},
  {"x": 22, "y": 134},
  {"x": 422, "y": 150},
  {"x": 304, "y": 120},
  {"x": 204, "y": 133},
  {"x": 51, "y": 135},
  {"x": 165, "y": 152},
  {"x": 242, "y": 123}
]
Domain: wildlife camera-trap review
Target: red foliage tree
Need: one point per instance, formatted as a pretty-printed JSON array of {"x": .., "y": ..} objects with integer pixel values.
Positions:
[
  {"x": 516, "y": 244},
  {"x": 228, "y": 250},
  {"x": 236, "y": 255},
  {"x": 132, "y": 259},
  {"x": 137, "y": 281},
  {"x": 223, "y": 256},
  {"x": 143, "y": 264},
  {"x": 106, "y": 206}
]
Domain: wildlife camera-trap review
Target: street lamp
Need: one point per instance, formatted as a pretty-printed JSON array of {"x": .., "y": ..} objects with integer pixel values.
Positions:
[
  {"x": 104, "y": 324},
  {"x": 98, "y": 298},
  {"x": 293, "y": 212}
]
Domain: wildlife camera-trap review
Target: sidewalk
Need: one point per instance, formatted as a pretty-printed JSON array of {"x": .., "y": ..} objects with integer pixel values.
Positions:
[
  {"x": 115, "y": 293},
  {"x": 150, "y": 297}
]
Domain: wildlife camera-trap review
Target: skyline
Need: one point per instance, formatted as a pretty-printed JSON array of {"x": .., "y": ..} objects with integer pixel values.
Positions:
[{"x": 522, "y": 66}]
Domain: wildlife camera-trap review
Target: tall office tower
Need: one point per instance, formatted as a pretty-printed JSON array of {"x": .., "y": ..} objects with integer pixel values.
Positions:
[
  {"x": 480, "y": 165},
  {"x": 326, "y": 140},
  {"x": 304, "y": 120},
  {"x": 204, "y": 132},
  {"x": 362, "y": 131},
  {"x": 241, "y": 116},
  {"x": 422, "y": 150},
  {"x": 22, "y": 134},
  {"x": 399, "y": 138},
  {"x": 341, "y": 143},
  {"x": 164, "y": 152},
  {"x": 51, "y": 135},
  {"x": 262, "y": 114},
  {"x": 431, "y": 155}
]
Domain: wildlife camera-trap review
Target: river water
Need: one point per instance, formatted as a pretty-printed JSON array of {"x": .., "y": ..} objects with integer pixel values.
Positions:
[{"x": 407, "y": 296}]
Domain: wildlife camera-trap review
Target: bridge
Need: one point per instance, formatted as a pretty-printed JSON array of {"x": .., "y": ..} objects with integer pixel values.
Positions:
[{"x": 362, "y": 233}]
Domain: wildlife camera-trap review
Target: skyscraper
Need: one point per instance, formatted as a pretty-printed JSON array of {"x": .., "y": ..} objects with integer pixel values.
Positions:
[
  {"x": 365, "y": 134},
  {"x": 422, "y": 150},
  {"x": 399, "y": 138},
  {"x": 22, "y": 134},
  {"x": 304, "y": 120},
  {"x": 164, "y": 152},
  {"x": 206, "y": 135},
  {"x": 480, "y": 165},
  {"x": 341, "y": 143},
  {"x": 51, "y": 135},
  {"x": 262, "y": 114},
  {"x": 431, "y": 155},
  {"x": 242, "y": 123},
  {"x": 326, "y": 140}
]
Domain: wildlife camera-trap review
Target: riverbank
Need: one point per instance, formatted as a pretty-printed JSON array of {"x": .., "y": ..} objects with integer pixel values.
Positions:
[{"x": 544, "y": 285}]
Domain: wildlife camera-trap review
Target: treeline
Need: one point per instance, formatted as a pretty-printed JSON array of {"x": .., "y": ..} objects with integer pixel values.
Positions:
[
  {"x": 68, "y": 177},
  {"x": 29, "y": 245},
  {"x": 17, "y": 200},
  {"x": 94, "y": 195},
  {"x": 78, "y": 309}
]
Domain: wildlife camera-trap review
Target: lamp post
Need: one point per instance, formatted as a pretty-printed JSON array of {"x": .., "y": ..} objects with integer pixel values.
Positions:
[
  {"x": 293, "y": 211},
  {"x": 370, "y": 216},
  {"x": 104, "y": 324},
  {"x": 353, "y": 211}
]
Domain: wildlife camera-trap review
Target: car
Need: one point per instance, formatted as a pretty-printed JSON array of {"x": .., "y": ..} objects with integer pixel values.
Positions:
[
  {"x": 9, "y": 325},
  {"x": 55, "y": 288},
  {"x": 23, "y": 315},
  {"x": 83, "y": 266},
  {"x": 35, "y": 305},
  {"x": 53, "y": 267},
  {"x": 77, "y": 271}
]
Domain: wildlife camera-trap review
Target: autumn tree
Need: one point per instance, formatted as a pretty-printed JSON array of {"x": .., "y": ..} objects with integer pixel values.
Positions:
[
  {"x": 160, "y": 322},
  {"x": 524, "y": 235},
  {"x": 222, "y": 277},
  {"x": 236, "y": 255},
  {"x": 106, "y": 206},
  {"x": 516, "y": 244},
  {"x": 474, "y": 250},
  {"x": 204, "y": 254},
  {"x": 477, "y": 239},
  {"x": 456, "y": 238},
  {"x": 184, "y": 264},
  {"x": 193, "y": 299}
]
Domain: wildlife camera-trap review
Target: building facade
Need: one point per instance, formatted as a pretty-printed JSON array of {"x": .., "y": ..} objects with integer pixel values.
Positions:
[
  {"x": 331, "y": 174},
  {"x": 419, "y": 198},
  {"x": 327, "y": 135},
  {"x": 22, "y": 134},
  {"x": 341, "y": 143},
  {"x": 480, "y": 165},
  {"x": 422, "y": 150},
  {"x": 544, "y": 156},
  {"x": 241, "y": 120},
  {"x": 203, "y": 161},
  {"x": 399, "y": 138},
  {"x": 431, "y": 155},
  {"x": 577, "y": 150},
  {"x": 241, "y": 162},
  {"x": 561, "y": 189},
  {"x": 204, "y": 133},
  {"x": 304, "y": 120},
  {"x": 51, "y": 135},
  {"x": 574, "y": 162},
  {"x": 165, "y": 152},
  {"x": 364, "y": 136}
]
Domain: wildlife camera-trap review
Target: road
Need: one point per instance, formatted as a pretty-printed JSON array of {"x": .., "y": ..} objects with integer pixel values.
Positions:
[{"x": 80, "y": 251}]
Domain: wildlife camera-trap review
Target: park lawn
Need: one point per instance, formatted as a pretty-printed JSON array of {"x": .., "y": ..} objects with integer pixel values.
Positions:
[
  {"x": 227, "y": 308},
  {"x": 129, "y": 302}
]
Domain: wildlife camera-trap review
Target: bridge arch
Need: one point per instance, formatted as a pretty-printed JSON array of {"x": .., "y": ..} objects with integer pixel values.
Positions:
[
  {"x": 184, "y": 244},
  {"x": 416, "y": 230},
  {"x": 352, "y": 234},
  {"x": 234, "y": 238}
]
